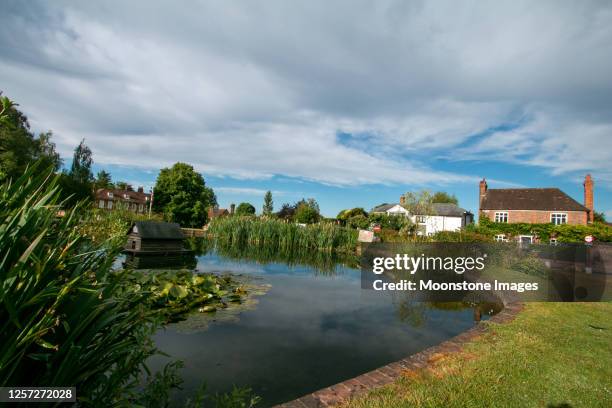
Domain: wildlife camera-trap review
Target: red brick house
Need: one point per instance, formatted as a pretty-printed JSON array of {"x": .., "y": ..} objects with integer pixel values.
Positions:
[
  {"x": 536, "y": 205},
  {"x": 112, "y": 199}
]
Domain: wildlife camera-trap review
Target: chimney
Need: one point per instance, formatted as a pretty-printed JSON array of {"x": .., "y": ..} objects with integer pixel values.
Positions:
[
  {"x": 483, "y": 191},
  {"x": 588, "y": 196},
  {"x": 140, "y": 189},
  {"x": 232, "y": 208}
]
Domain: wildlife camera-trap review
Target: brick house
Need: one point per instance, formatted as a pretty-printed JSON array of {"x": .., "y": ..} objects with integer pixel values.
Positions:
[
  {"x": 536, "y": 205},
  {"x": 112, "y": 199}
]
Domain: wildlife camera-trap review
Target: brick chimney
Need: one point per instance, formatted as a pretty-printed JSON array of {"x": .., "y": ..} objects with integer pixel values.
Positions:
[
  {"x": 232, "y": 208},
  {"x": 588, "y": 196},
  {"x": 483, "y": 190},
  {"x": 140, "y": 189}
]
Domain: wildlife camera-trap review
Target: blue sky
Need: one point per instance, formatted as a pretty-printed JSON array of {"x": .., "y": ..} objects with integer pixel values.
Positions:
[{"x": 352, "y": 103}]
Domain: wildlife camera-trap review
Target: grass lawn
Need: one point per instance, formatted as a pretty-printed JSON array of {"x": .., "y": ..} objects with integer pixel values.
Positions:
[{"x": 552, "y": 355}]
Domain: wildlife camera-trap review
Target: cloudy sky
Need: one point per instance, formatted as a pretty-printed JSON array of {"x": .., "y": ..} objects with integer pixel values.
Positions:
[{"x": 349, "y": 102}]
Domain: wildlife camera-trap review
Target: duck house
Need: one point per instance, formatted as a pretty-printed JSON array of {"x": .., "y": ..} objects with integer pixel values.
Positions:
[{"x": 155, "y": 238}]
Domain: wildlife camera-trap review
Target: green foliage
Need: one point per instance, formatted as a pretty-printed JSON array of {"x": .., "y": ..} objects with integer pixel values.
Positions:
[
  {"x": 393, "y": 222},
  {"x": 182, "y": 196},
  {"x": 103, "y": 180},
  {"x": 19, "y": 148},
  {"x": 306, "y": 213},
  {"x": 286, "y": 212},
  {"x": 245, "y": 209},
  {"x": 353, "y": 212},
  {"x": 563, "y": 233},
  {"x": 419, "y": 202},
  {"x": 80, "y": 170},
  {"x": 268, "y": 206},
  {"x": 444, "y": 197},
  {"x": 359, "y": 221},
  {"x": 63, "y": 318},
  {"x": 176, "y": 293},
  {"x": 461, "y": 236},
  {"x": 599, "y": 217},
  {"x": 282, "y": 236}
]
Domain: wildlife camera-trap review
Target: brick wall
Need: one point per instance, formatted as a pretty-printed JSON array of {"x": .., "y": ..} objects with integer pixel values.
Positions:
[{"x": 538, "y": 217}]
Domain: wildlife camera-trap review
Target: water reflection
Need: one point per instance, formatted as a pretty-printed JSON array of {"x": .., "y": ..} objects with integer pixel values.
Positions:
[{"x": 314, "y": 326}]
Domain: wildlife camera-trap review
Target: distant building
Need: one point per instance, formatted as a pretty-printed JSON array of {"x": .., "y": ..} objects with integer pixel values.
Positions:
[
  {"x": 215, "y": 212},
  {"x": 536, "y": 205},
  {"x": 441, "y": 217},
  {"x": 113, "y": 199},
  {"x": 390, "y": 209}
]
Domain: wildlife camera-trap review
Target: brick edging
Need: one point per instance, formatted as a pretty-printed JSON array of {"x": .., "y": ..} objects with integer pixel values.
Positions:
[{"x": 387, "y": 374}]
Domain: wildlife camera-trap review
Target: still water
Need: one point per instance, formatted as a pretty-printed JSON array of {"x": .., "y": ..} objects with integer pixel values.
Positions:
[{"x": 311, "y": 329}]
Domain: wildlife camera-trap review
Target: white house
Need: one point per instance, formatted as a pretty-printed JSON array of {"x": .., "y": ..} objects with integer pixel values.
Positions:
[
  {"x": 442, "y": 217},
  {"x": 390, "y": 209}
]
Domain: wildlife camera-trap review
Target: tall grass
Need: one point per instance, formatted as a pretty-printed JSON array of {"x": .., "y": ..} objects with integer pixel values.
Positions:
[
  {"x": 64, "y": 320},
  {"x": 282, "y": 236}
]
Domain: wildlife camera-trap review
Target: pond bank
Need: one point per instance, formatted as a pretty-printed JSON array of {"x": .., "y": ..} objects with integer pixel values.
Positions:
[
  {"x": 552, "y": 354},
  {"x": 387, "y": 374}
]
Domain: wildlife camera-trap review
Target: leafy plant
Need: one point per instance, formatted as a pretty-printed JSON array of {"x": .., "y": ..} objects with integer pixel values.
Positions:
[{"x": 63, "y": 320}]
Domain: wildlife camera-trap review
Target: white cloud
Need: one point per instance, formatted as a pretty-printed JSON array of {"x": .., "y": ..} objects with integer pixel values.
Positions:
[{"x": 253, "y": 90}]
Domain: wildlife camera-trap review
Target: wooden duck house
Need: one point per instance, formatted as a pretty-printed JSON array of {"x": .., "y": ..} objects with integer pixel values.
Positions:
[{"x": 155, "y": 238}]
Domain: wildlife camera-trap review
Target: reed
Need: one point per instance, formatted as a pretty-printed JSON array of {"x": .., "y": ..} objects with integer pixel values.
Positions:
[{"x": 282, "y": 236}]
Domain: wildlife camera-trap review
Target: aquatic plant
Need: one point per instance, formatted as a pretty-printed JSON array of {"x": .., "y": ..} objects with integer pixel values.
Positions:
[
  {"x": 282, "y": 236},
  {"x": 176, "y": 293}
]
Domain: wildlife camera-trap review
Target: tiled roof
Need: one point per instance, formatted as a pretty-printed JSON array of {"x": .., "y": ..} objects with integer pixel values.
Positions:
[
  {"x": 383, "y": 208},
  {"x": 546, "y": 199},
  {"x": 134, "y": 196}
]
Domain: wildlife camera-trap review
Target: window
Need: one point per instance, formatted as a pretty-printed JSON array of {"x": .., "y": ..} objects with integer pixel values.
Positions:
[
  {"x": 420, "y": 219},
  {"x": 126, "y": 196},
  {"x": 140, "y": 207},
  {"x": 101, "y": 204},
  {"x": 558, "y": 218},
  {"x": 501, "y": 238},
  {"x": 109, "y": 194},
  {"x": 110, "y": 205},
  {"x": 501, "y": 217},
  {"x": 553, "y": 241}
]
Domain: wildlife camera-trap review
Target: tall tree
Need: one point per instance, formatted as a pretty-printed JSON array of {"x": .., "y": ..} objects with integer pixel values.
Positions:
[
  {"x": 80, "y": 171},
  {"x": 19, "y": 148},
  {"x": 181, "y": 194},
  {"x": 245, "y": 209},
  {"x": 268, "y": 206},
  {"x": 103, "y": 180},
  {"x": 444, "y": 197}
]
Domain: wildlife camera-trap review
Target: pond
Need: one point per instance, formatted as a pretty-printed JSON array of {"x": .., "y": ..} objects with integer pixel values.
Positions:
[{"x": 313, "y": 327}]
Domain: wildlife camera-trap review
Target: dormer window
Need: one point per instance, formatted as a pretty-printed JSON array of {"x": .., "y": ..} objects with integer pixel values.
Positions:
[
  {"x": 126, "y": 196},
  {"x": 109, "y": 194}
]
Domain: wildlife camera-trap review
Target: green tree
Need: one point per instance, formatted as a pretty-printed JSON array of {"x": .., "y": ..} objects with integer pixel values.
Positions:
[
  {"x": 349, "y": 213},
  {"x": 444, "y": 197},
  {"x": 19, "y": 148},
  {"x": 103, "y": 180},
  {"x": 286, "y": 212},
  {"x": 181, "y": 194},
  {"x": 599, "y": 217},
  {"x": 245, "y": 209},
  {"x": 419, "y": 203},
  {"x": 122, "y": 185},
  {"x": 268, "y": 206},
  {"x": 306, "y": 213},
  {"x": 80, "y": 170}
]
